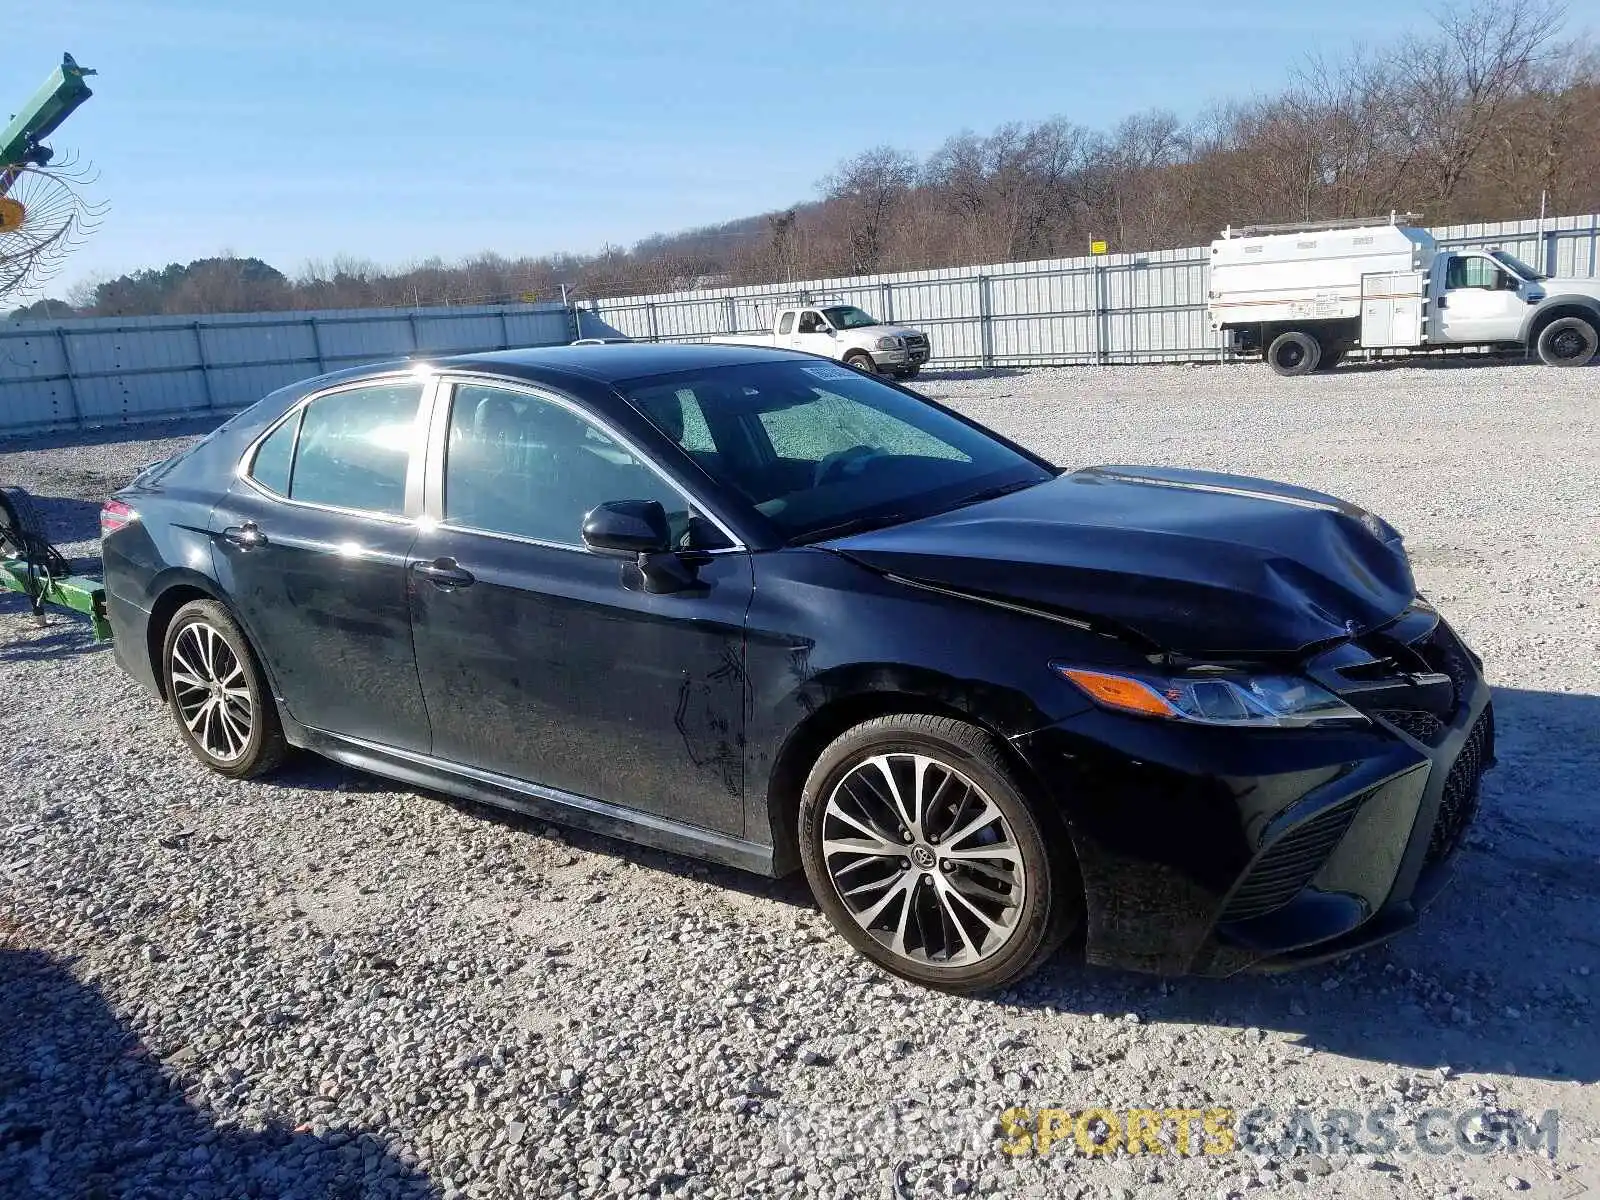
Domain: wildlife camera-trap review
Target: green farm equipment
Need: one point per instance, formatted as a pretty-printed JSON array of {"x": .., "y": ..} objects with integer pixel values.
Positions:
[
  {"x": 40, "y": 218},
  {"x": 29, "y": 564},
  {"x": 22, "y": 141},
  {"x": 42, "y": 214}
]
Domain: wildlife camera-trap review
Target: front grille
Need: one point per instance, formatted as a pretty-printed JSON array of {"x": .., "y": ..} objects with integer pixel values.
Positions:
[
  {"x": 1286, "y": 866},
  {"x": 1438, "y": 651},
  {"x": 1461, "y": 788},
  {"x": 1442, "y": 651},
  {"x": 1424, "y": 726}
]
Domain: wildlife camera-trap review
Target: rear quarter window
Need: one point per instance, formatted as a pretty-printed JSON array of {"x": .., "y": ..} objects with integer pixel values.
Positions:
[{"x": 275, "y": 456}]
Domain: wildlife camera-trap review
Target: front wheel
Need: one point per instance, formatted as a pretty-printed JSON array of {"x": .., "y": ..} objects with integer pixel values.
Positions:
[
  {"x": 1294, "y": 353},
  {"x": 909, "y": 373},
  {"x": 218, "y": 694},
  {"x": 861, "y": 362},
  {"x": 923, "y": 849},
  {"x": 1568, "y": 342}
]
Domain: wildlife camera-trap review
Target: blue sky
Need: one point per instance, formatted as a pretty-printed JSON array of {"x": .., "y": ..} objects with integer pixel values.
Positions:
[{"x": 397, "y": 130}]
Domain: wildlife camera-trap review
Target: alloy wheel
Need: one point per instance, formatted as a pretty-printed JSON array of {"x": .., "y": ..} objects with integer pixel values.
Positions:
[
  {"x": 211, "y": 692},
  {"x": 923, "y": 860}
]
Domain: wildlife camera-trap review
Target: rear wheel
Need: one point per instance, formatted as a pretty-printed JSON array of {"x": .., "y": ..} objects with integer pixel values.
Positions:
[
  {"x": 1294, "y": 353},
  {"x": 861, "y": 361},
  {"x": 218, "y": 694},
  {"x": 1568, "y": 342},
  {"x": 924, "y": 851}
]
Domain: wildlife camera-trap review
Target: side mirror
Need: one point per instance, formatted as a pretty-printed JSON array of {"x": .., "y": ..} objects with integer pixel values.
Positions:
[{"x": 627, "y": 527}]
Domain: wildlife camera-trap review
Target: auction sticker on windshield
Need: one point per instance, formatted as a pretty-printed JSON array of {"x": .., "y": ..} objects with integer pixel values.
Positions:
[{"x": 831, "y": 374}]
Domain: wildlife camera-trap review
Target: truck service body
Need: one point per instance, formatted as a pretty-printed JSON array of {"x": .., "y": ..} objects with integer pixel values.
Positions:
[{"x": 1305, "y": 295}]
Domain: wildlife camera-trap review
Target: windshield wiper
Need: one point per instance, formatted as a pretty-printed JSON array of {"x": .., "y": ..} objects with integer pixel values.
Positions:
[
  {"x": 853, "y": 525},
  {"x": 992, "y": 493}
]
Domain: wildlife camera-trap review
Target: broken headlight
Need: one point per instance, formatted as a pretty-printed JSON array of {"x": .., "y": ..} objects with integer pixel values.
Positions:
[{"x": 1261, "y": 701}]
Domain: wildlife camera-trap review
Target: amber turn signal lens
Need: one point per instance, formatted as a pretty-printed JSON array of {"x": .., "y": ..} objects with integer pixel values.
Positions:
[{"x": 1120, "y": 692}]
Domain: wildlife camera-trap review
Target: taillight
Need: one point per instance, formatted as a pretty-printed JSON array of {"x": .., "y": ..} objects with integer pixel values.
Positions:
[{"x": 114, "y": 514}]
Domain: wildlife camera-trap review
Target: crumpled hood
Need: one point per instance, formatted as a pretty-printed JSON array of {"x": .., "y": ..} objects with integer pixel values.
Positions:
[{"x": 1193, "y": 561}]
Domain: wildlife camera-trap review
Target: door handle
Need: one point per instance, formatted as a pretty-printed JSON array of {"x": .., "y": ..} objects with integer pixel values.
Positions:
[
  {"x": 444, "y": 573},
  {"x": 1441, "y": 301},
  {"x": 246, "y": 536}
]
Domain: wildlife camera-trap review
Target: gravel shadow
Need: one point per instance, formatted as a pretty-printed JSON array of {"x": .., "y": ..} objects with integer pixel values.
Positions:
[
  {"x": 86, "y": 1110},
  {"x": 68, "y": 520}
]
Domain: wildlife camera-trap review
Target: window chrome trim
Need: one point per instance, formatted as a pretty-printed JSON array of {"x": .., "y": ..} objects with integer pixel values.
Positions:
[
  {"x": 438, "y": 436},
  {"x": 426, "y": 380}
]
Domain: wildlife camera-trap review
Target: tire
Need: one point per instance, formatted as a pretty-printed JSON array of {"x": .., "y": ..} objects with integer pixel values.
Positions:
[
  {"x": 22, "y": 533},
  {"x": 18, "y": 517},
  {"x": 1568, "y": 342},
  {"x": 1332, "y": 357},
  {"x": 910, "y": 903},
  {"x": 203, "y": 643},
  {"x": 861, "y": 361},
  {"x": 909, "y": 373},
  {"x": 1294, "y": 353}
]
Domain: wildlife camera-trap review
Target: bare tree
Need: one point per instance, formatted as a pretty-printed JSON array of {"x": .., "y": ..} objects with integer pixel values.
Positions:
[
  {"x": 1461, "y": 81},
  {"x": 869, "y": 192}
]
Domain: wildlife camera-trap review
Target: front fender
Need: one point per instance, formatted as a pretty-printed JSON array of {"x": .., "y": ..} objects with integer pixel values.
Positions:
[
  {"x": 1550, "y": 306},
  {"x": 830, "y": 643}
]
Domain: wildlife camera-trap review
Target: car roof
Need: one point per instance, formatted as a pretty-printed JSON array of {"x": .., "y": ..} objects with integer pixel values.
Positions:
[{"x": 616, "y": 362}]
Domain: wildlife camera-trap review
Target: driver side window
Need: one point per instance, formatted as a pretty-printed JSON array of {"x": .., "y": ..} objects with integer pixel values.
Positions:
[
  {"x": 810, "y": 322},
  {"x": 1475, "y": 272},
  {"x": 522, "y": 465}
]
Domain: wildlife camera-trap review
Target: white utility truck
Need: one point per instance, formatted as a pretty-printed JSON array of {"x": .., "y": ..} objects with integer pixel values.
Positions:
[
  {"x": 844, "y": 332},
  {"x": 1303, "y": 296}
]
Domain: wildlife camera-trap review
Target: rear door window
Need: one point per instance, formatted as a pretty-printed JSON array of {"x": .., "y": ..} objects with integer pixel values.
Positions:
[{"x": 355, "y": 448}]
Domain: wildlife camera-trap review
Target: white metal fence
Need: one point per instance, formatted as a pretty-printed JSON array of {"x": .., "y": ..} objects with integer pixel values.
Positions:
[
  {"x": 102, "y": 371},
  {"x": 1117, "y": 308}
]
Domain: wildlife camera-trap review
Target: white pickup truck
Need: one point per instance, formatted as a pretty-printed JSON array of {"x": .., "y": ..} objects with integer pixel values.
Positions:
[
  {"x": 844, "y": 332},
  {"x": 1303, "y": 296}
]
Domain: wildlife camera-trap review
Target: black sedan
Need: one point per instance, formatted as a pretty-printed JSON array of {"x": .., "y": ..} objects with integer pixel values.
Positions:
[{"x": 754, "y": 606}]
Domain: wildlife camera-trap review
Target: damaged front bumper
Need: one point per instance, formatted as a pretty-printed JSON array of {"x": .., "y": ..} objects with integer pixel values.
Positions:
[{"x": 1209, "y": 850}]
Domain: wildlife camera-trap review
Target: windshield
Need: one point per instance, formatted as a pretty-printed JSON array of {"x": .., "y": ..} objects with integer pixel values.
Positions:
[
  {"x": 848, "y": 316},
  {"x": 1515, "y": 264},
  {"x": 821, "y": 449}
]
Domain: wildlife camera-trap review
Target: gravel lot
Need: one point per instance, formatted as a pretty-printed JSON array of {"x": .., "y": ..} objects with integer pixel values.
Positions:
[{"x": 325, "y": 986}]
